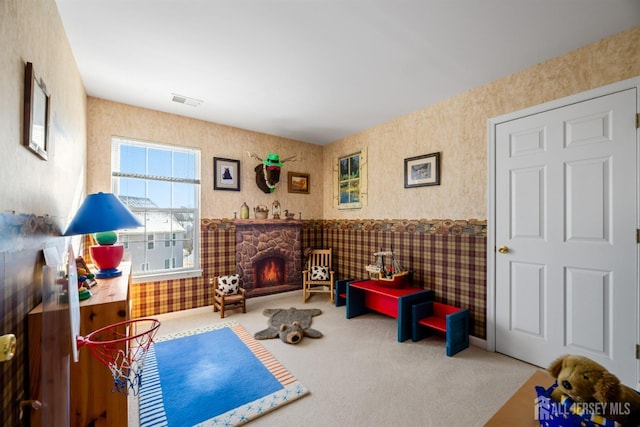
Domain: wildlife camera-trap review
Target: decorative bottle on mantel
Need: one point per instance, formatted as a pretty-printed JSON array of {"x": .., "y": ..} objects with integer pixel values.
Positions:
[{"x": 244, "y": 211}]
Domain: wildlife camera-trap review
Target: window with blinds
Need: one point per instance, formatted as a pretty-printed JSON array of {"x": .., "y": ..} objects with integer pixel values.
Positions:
[{"x": 160, "y": 184}]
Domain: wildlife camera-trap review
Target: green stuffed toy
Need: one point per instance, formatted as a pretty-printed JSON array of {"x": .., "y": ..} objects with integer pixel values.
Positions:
[{"x": 289, "y": 325}]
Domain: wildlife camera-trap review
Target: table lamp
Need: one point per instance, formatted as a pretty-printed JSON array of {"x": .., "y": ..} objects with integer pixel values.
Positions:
[{"x": 100, "y": 214}]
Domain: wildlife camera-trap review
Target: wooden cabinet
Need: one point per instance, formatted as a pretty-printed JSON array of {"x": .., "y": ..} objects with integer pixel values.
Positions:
[{"x": 91, "y": 387}]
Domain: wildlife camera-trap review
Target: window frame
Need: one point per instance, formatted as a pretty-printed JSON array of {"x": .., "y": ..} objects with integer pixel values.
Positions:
[{"x": 147, "y": 275}]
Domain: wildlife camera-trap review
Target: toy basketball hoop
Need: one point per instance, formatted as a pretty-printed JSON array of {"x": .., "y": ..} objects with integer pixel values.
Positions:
[{"x": 122, "y": 348}]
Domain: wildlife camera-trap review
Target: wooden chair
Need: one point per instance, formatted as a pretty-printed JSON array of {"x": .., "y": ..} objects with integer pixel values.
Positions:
[
  {"x": 228, "y": 295},
  {"x": 318, "y": 276}
]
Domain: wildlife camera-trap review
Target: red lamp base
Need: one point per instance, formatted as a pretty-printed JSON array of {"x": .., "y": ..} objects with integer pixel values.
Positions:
[{"x": 107, "y": 258}]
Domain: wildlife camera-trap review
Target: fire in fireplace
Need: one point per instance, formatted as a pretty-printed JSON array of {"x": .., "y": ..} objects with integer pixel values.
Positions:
[
  {"x": 270, "y": 271},
  {"x": 269, "y": 255}
]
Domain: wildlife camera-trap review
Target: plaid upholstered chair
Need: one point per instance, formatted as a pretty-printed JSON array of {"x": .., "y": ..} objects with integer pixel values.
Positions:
[
  {"x": 228, "y": 295},
  {"x": 318, "y": 276}
]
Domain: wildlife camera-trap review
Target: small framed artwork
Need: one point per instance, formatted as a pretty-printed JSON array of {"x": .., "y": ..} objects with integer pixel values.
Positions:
[
  {"x": 226, "y": 174},
  {"x": 298, "y": 182},
  {"x": 421, "y": 171},
  {"x": 35, "y": 130}
]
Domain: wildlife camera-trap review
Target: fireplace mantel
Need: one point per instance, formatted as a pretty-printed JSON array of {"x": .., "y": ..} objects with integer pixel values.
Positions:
[
  {"x": 281, "y": 222},
  {"x": 257, "y": 239}
]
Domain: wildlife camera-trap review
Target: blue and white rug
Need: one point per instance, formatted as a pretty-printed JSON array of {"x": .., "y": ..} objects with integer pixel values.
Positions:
[{"x": 214, "y": 376}]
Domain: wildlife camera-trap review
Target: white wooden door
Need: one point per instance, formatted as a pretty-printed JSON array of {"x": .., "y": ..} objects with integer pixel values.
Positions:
[{"x": 566, "y": 220}]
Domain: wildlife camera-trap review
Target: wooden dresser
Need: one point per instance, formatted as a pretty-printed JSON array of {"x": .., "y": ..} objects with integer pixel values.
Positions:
[{"x": 92, "y": 399}]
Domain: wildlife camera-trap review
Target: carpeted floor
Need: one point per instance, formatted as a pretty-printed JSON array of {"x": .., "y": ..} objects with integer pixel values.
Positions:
[
  {"x": 216, "y": 375},
  {"x": 359, "y": 375}
]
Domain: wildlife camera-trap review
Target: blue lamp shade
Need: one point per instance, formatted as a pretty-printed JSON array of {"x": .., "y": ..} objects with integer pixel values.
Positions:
[{"x": 101, "y": 212}]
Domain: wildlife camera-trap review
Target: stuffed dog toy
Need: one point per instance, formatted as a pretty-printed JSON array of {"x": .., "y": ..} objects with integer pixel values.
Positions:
[{"x": 584, "y": 381}]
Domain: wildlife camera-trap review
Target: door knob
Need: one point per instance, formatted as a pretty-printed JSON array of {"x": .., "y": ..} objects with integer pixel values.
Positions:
[{"x": 503, "y": 249}]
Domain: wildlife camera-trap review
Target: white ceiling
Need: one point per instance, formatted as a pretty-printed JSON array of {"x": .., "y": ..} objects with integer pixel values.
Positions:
[{"x": 319, "y": 70}]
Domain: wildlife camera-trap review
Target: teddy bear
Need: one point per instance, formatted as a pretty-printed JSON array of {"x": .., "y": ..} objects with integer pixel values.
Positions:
[
  {"x": 590, "y": 384},
  {"x": 289, "y": 325}
]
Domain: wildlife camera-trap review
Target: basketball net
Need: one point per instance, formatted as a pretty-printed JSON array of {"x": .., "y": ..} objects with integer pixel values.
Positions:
[{"x": 122, "y": 347}]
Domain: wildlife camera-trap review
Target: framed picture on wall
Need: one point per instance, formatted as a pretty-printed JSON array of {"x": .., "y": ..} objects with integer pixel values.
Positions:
[
  {"x": 350, "y": 184},
  {"x": 298, "y": 182},
  {"x": 35, "y": 130},
  {"x": 422, "y": 170},
  {"x": 226, "y": 174}
]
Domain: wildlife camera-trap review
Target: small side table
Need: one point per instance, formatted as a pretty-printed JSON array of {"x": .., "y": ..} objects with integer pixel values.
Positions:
[{"x": 519, "y": 410}]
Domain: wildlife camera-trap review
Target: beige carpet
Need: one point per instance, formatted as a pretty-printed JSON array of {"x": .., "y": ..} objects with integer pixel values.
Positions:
[{"x": 359, "y": 375}]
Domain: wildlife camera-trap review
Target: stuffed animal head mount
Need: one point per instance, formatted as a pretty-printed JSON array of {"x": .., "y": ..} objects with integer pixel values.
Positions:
[
  {"x": 584, "y": 380},
  {"x": 268, "y": 171}
]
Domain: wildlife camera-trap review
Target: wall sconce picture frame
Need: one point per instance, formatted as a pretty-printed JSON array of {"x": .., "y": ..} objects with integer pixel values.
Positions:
[
  {"x": 35, "y": 132},
  {"x": 422, "y": 170},
  {"x": 298, "y": 182},
  {"x": 226, "y": 174}
]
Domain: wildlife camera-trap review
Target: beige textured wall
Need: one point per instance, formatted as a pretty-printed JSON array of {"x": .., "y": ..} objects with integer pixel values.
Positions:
[
  {"x": 457, "y": 128},
  {"x": 37, "y": 197},
  {"x": 107, "y": 119},
  {"x": 31, "y": 31}
]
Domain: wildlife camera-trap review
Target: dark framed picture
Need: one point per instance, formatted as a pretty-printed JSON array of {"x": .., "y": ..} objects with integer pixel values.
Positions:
[
  {"x": 421, "y": 171},
  {"x": 35, "y": 132},
  {"x": 226, "y": 174},
  {"x": 298, "y": 182}
]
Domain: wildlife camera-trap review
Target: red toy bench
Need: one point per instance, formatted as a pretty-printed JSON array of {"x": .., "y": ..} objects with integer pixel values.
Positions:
[
  {"x": 340, "y": 289},
  {"x": 364, "y": 296},
  {"x": 453, "y": 321}
]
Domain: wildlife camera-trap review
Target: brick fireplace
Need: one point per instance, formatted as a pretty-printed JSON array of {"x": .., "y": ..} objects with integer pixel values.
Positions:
[{"x": 269, "y": 255}]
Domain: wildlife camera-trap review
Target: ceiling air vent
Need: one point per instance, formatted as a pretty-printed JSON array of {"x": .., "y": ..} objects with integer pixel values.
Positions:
[{"x": 181, "y": 99}]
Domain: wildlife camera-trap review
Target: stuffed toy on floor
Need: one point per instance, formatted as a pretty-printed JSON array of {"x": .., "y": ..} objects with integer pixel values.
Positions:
[
  {"x": 585, "y": 381},
  {"x": 289, "y": 325}
]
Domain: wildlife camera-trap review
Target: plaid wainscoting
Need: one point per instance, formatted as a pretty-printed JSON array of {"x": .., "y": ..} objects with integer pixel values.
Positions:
[
  {"x": 444, "y": 255},
  {"x": 218, "y": 257}
]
